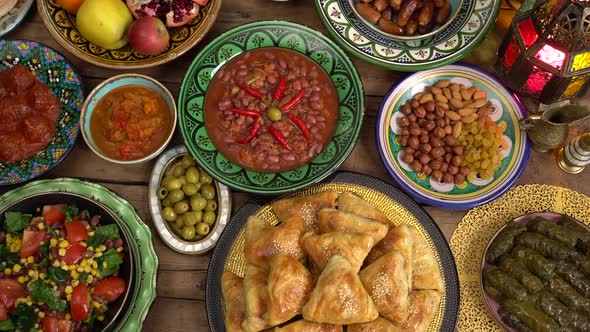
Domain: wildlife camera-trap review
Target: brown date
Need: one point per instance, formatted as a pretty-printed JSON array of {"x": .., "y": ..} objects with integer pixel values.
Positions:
[{"x": 426, "y": 13}]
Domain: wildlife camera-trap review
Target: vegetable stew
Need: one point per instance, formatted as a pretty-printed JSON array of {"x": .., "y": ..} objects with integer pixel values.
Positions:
[{"x": 271, "y": 110}]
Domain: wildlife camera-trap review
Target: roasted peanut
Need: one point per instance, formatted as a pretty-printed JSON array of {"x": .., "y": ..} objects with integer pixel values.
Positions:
[
  {"x": 437, "y": 152},
  {"x": 466, "y": 112},
  {"x": 427, "y": 97},
  {"x": 406, "y": 108},
  {"x": 416, "y": 166},
  {"x": 447, "y": 177},
  {"x": 480, "y": 94},
  {"x": 430, "y": 116},
  {"x": 435, "y": 90},
  {"x": 435, "y": 165},
  {"x": 459, "y": 178},
  {"x": 454, "y": 116},
  {"x": 437, "y": 175},
  {"x": 415, "y": 130},
  {"x": 409, "y": 150},
  {"x": 426, "y": 169},
  {"x": 466, "y": 94},
  {"x": 412, "y": 118},
  {"x": 425, "y": 159},
  {"x": 448, "y": 130},
  {"x": 405, "y": 132},
  {"x": 408, "y": 158},
  {"x": 479, "y": 102},
  {"x": 447, "y": 92},
  {"x": 424, "y": 139},
  {"x": 442, "y": 84},
  {"x": 470, "y": 118},
  {"x": 453, "y": 169},
  {"x": 458, "y": 149},
  {"x": 456, "y": 160},
  {"x": 413, "y": 142},
  {"x": 403, "y": 122},
  {"x": 439, "y": 132},
  {"x": 440, "y": 98},
  {"x": 430, "y": 125},
  {"x": 403, "y": 141},
  {"x": 457, "y": 127},
  {"x": 435, "y": 141},
  {"x": 420, "y": 112},
  {"x": 430, "y": 106}
]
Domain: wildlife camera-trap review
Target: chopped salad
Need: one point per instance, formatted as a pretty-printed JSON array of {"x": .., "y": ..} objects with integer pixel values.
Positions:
[{"x": 58, "y": 271}]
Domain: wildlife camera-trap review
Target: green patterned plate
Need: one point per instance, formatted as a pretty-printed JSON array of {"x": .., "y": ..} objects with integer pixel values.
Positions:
[
  {"x": 55, "y": 71},
  {"x": 140, "y": 244},
  {"x": 14, "y": 16},
  {"x": 271, "y": 34},
  {"x": 62, "y": 26},
  {"x": 473, "y": 22}
]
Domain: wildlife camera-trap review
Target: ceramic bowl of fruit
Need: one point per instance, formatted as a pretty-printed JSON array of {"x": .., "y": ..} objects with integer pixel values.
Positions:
[
  {"x": 450, "y": 136},
  {"x": 133, "y": 33},
  {"x": 188, "y": 207}
]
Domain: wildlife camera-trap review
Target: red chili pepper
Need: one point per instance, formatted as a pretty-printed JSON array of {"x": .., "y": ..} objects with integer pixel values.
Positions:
[
  {"x": 299, "y": 123},
  {"x": 280, "y": 90},
  {"x": 255, "y": 128},
  {"x": 293, "y": 101},
  {"x": 251, "y": 91},
  {"x": 251, "y": 113},
  {"x": 279, "y": 137}
]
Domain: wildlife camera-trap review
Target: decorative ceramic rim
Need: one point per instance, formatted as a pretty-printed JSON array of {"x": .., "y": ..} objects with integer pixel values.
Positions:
[
  {"x": 168, "y": 98},
  {"x": 474, "y": 21},
  {"x": 172, "y": 240},
  {"x": 491, "y": 304},
  {"x": 146, "y": 263},
  {"x": 15, "y": 16},
  {"x": 190, "y": 99},
  {"x": 402, "y": 37},
  {"x": 150, "y": 61},
  {"x": 491, "y": 190},
  {"x": 214, "y": 303},
  {"x": 72, "y": 109}
]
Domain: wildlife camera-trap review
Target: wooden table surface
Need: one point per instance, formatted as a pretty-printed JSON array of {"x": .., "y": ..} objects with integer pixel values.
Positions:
[{"x": 180, "y": 302}]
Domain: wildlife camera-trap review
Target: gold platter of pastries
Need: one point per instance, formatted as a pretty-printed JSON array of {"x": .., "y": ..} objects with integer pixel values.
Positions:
[{"x": 336, "y": 256}]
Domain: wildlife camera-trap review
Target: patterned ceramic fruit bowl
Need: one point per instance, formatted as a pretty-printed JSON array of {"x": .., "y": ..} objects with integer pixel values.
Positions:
[
  {"x": 140, "y": 263},
  {"x": 261, "y": 39},
  {"x": 56, "y": 72},
  {"x": 62, "y": 26},
  {"x": 467, "y": 180}
]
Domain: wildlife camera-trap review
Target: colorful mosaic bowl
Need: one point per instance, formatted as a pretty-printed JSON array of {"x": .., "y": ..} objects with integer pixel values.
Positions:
[
  {"x": 13, "y": 18},
  {"x": 62, "y": 26},
  {"x": 474, "y": 191},
  {"x": 55, "y": 71}
]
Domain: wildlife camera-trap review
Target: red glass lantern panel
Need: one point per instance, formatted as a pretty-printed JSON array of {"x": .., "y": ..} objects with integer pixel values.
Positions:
[
  {"x": 551, "y": 56},
  {"x": 527, "y": 32},
  {"x": 512, "y": 52},
  {"x": 536, "y": 82}
]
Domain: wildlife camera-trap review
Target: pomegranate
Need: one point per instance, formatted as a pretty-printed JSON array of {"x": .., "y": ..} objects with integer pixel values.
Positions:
[
  {"x": 174, "y": 12},
  {"x": 148, "y": 35}
]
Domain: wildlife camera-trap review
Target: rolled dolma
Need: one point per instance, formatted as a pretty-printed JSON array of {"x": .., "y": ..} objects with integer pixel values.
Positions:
[
  {"x": 583, "y": 234},
  {"x": 494, "y": 293},
  {"x": 504, "y": 242},
  {"x": 568, "y": 295},
  {"x": 532, "y": 317},
  {"x": 554, "y": 308},
  {"x": 570, "y": 273},
  {"x": 504, "y": 284},
  {"x": 535, "y": 262},
  {"x": 554, "y": 231},
  {"x": 581, "y": 261},
  {"x": 544, "y": 245},
  {"x": 513, "y": 321},
  {"x": 517, "y": 268}
]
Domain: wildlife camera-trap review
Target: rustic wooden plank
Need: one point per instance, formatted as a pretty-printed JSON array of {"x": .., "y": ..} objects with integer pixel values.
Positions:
[
  {"x": 189, "y": 285},
  {"x": 176, "y": 315}
]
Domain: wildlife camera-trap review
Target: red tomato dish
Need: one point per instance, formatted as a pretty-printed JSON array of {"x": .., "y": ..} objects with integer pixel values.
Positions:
[
  {"x": 271, "y": 110},
  {"x": 29, "y": 112}
]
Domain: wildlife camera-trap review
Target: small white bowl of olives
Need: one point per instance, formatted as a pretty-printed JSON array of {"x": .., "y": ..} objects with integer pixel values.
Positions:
[{"x": 189, "y": 208}]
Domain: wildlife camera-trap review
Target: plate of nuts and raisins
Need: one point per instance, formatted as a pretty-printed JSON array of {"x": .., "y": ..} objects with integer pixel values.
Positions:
[{"x": 450, "y": 137}]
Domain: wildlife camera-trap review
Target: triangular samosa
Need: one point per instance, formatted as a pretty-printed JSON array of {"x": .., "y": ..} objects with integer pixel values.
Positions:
[
  {"x": 352, "y": 246},
  {"x": 306, "y": 207},
  {"x": 350, "y": 202},
  {"x": 332, "y": 220},
  {"x": 232, "y": 288}
]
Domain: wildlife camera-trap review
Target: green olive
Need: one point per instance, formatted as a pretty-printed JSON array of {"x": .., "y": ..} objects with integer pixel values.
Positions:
[
  {"x": 188, "y": 232},
  {"x": 207, "y": 191},
  {"x": 171, "y": 183},
  {"x": 193, "y": 217},
  {"x": 179, "y": 222},
  {"x": 166, "y": 202},
  {"x": 209, "y": 217},
  {"x": 192, "y": 175},
  {"x": 181, "y": 207},
  {"x": 182, "y": 179},
  {"x": 178, "y": 170},
  {"x": 198, "y": 186},
  {"x": 211, "y": 205},
  {"x": 274, "y": 114},
  {"x": 162, "y": 193},
  {"x": 168, "y": 214},
  {"x": 176, "y": 195},
  {"x": 189, "y": 189},
  {"x": 202, "y": 228},
  {"x": 188, "y": 161},
  {"x": 205, "y": 178},
  {"x": 198, "y": 203}
]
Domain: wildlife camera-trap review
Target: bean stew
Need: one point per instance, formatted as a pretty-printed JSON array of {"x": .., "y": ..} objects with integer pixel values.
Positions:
[{"x": 271, "y": 110}]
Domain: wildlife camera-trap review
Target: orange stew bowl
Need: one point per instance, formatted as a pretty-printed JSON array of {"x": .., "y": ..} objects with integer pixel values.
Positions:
[{"x": 128, "y": 119}]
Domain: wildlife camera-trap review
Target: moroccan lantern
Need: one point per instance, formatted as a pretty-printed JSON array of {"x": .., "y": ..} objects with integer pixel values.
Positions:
[{"x": 546, "y": 52}]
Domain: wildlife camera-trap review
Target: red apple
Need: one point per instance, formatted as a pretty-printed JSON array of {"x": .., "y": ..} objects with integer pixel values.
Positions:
[{"x": 148, "y": 35}]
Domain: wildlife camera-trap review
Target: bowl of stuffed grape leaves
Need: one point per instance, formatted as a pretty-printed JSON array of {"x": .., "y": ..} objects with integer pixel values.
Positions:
[{"x": 536, "y": 274}]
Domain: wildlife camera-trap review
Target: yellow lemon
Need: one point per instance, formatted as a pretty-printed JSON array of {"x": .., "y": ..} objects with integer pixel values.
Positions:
[{"x": 104, "y": 22}]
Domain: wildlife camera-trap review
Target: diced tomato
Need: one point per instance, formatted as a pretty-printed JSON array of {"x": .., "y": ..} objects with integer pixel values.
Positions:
[
  {"x": 31, "y": 242},
  {"x": 74, "y": 253},
  {"x": 110, "y": 288},
  {"x": 53, "y": 213},
  {"x": 52, "y": 324},
  {"x": 10, "y": 291},
  {"x": 3, "y": 312},
  {"x": 80, "y": 302},
  {"x": 76, "y": 232}
]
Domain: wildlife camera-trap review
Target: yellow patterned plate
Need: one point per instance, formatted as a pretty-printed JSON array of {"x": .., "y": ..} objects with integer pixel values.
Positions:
[
  {"x": 62, "y": 26},
  {"x": 397, "y": 206},
  {"x": 480, "y": 224}
]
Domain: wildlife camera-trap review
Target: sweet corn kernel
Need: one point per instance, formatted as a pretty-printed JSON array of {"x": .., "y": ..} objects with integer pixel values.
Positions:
[
  {"x": 75, "y": 283},
  {"x": 75, "y": 275},
  {"x": 23, "y": 261},
  {"x": 37, "y": 325},
  {"x": 64, "y": 266},
  {"x": 41, "y": 226},
  {"x": 101, "y": 247},
  {"x": 91, "y": 248},
  {"x": 42, "y": 275},
  {"x": 84, "y": 263},
  {"x": 119, "y": 249},
  {"x": 80, "y": 269},
  {"x": 91, "y": 233},
  {"x": 87, "y": 269},
  {"x": 61, "y": 252},
  {"x": 94, "y": 265},
  {"x": 16, "y": 268},
  {"x": 55, "y": 263},
  {"x": 100, "y": 318},
  {"x": 68, "y": 289},
  {"x": 22, "y": 279},
  {"x": 64, "y": 244},
  {"x": 41, "y": 314},
  {"x": 95, "y": 304},
  {"x": 68, "y": 316},
  {"x": 53, "y": 242},
  {"x": 30, "y": 259},
  {"x": 90, "y": 279},
  {"x": 69, "y": 297},
  {"x": 105, "y": 265},
  {"x": 98, "y": 254}
]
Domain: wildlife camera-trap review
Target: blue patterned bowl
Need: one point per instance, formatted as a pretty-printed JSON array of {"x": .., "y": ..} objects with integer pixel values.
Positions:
[{"x": 55, "y": 71}]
